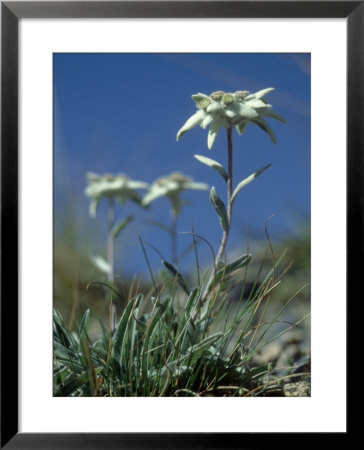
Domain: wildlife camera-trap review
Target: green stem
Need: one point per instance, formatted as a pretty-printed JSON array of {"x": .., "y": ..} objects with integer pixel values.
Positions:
[
  {"x": 174, "y": 236},
  {"x": 110, "y": 257},
  {"x": 225, "y": 235},
  {"x": 110, "y": 240}
]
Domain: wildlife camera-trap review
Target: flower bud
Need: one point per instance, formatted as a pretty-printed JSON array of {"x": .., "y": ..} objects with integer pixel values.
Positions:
[
  {"x": 241, "y": 94},
  {"x": 217, "y": 95},
  {"x": 228, "y": 99},
  {"x": 204, "y": 103}
]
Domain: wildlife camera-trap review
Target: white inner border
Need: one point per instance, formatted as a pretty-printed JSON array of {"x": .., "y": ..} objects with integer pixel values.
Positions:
[{"x": 325, "y": 411}]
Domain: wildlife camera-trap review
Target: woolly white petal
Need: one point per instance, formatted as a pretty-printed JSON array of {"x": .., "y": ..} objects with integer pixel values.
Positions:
[
  {"x": 273, "y": 114},
  {"x": 154, "y": 193},
  {"x": 256, "y": 103},
  {"x": 198, "y": 97},
  {"x": 264, "y": 125},
  {"x": 207, "y": 120},
  {"x": 194, "y": 120},
  {"x": 245, "y": 111},
  {"x": 242, "y": 126},
  {"x": 215, "y": 107},
  {"x": 263, "y": 92},
  {"x": 231, "y": 113},
  {"x": 196, "y": 186},
  {"x": 214, "y": 130}
]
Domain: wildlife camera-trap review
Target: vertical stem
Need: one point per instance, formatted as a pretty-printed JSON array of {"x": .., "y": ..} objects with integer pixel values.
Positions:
[
  {"x": 230, "y": 173},
  {"x": 110, "y": 240},
  {"x": 225, "y": 235},
  {"x": 110, "y": 259},
  {"x": 174, "y": 236}
]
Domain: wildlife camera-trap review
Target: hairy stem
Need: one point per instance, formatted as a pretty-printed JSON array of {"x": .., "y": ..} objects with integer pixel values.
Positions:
[
  {"x": 110, "y": 258},
  {"x": 225, "y": 235},
  {"x": 110, "y": 240},
  {"x": 174, "y": 236}
]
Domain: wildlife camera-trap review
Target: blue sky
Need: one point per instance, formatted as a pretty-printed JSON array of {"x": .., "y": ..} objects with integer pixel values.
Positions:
[{"x": 119, "y": 113}]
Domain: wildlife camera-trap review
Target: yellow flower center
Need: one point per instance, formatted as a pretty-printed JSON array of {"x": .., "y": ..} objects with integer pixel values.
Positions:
[
  {"x": 228, "y": 99},
  {"x": 204, "y": 103}
]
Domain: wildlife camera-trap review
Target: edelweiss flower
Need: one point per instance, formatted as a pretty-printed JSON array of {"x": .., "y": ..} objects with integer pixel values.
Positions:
[
  {"x": 228, "y": 110},
  {"x": 172, "y": 186},
  {"x": 118, "y": 187}
]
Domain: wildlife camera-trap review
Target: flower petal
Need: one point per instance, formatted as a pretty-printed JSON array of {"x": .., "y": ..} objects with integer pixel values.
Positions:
[
  {"x": 196, "y": 186},
  {"x": 265, "y": 127},
  {"x": 256, "y": 103},
  {"x": 194, "y": 120},
  {"x": 214, "y": 130},
  {"x": 94, "y": 203},
  {"x": 242, "y": 126},
  {"x": 137, "y": 185},
  {"x": 198, "y": 97},
  {"x": 154, "y": 193},
  {"x": 215, "y": 107},
  {"x": 263, "y": 92},
  {"x": 245, "y": 111},
  {"x": 273, "y": 114},
  {"x": 207, "y": 120},
  {"x": 231, "y": 113}
]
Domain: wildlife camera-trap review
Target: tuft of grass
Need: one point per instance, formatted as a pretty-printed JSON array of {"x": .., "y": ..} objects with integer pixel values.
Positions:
[{"x": 175, "y": 341}]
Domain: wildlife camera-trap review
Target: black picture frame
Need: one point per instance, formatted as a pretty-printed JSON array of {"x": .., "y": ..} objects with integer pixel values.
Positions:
[{"x": 11, "y": 13}]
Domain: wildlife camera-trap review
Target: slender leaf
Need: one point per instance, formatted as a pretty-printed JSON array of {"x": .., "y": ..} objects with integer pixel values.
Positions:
[
  {"x": 248, "y": 180},
  {"x": 214, "y": 164},
  {"x": 61, "y": 331},
  {"x": 266, "y": 127},
  {"x": 160, "y": 225},
  {"x": 175, "y": 273},
  {"x": 228, "y": 270},
  {"x": 220, "y": 209},
  {"x": 84, "y": 323},
  {"x": 118, "y": 228},
  {"x": 196, "y": 350},
  {"x": 119, "y": 334},
  {"x": 72, "y": 385},
  {"x": 100, "y": 263}
]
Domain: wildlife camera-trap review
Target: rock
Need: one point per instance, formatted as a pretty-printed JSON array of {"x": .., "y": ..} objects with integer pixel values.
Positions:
[{"x": 299, "y": 389}]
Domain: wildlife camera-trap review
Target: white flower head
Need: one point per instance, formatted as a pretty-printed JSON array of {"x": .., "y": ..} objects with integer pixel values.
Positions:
[
  {"x": 113, "y": 187},
  {"x": 225, "y": 109},
  {"x": 172, "y": 186}
]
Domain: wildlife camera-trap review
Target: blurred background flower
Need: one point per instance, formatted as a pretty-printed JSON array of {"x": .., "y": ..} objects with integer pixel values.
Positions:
[
  {"x": 172, "y": 186},
  {"x": 118, "y": 187}
]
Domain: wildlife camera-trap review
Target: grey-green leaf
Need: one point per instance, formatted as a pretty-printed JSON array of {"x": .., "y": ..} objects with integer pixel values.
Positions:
[
  {"x": 196, "y": 350},
  {"x": 228, "y": 270},
  {"x": 71, "y": 386},
  {"x": 84, "y": 323},
  {"x": 119, "y": 335},
  {"x": 220, "y": 209},
  {"x": 101, "y": 263},
  {"x": 118, "y": 228},
  {"x": 214, "y": 164},
  {"x": 247, "y": 180},
  {"x": 175, "y": 273}
]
